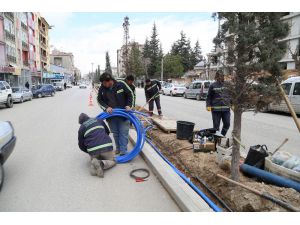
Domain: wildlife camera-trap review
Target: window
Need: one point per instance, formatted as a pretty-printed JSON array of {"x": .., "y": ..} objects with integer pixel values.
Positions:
[
  {"x": 6, "y": 85},
  {"x": 206, "y": 84},
  {"x": 197, "y": 86},
  {"x": 191, "y": 86},
  {"x": 8, "y": 26},
  {"x": 2, "y": 86},
  {"x": 287, "y": 87},
  {"x": 296, "y": 89}
]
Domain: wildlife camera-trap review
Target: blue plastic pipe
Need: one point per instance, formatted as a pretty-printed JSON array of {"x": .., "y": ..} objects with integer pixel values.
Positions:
[
  {"x": 270, "y": 177},
  {"x": 187, "y": 180},
  {"x": 140, "y": 130}
]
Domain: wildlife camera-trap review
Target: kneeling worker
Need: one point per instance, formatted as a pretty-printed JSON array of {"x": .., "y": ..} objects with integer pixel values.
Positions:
[{"x": 93, "y": 138}]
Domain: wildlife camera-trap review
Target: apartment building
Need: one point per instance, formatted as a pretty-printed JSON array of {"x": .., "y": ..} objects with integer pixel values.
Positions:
[
  {"x": 64, "y": 60},
  {"x": 20, "y": 56}
]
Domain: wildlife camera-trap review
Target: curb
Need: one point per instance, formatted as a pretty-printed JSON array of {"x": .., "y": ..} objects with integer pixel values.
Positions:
[{"x": 185, "y": 197}]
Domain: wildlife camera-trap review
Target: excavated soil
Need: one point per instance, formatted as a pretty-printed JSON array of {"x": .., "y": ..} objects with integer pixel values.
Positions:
[{"x": 204, "y": 166}]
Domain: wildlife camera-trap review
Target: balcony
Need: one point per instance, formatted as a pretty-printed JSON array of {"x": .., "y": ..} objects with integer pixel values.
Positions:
[
  {"x": 43, "y": 45},
  {"x": 25, "y": 63},
  {"x": 24, "y": 26},
  {"x": 10, "y": 36},
  {"x": 11, "y": 59},
  {"x": 44, "y": 58},
  {"x": 10, "y": 15},
  {"x": 25, "y": 46},
  {"x": 42, "y": 30}
]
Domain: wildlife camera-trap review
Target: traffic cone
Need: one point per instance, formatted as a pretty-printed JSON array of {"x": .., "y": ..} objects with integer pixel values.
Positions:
[{"x": 91, "y": 100}]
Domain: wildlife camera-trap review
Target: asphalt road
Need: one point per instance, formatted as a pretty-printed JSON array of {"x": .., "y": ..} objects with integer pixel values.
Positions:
[
  {"x": 48, "y": 172},
  {"x": 261, "y": 128}
]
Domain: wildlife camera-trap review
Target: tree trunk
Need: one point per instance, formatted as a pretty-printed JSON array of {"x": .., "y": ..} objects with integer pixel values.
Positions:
[{"x": 237, "y": 124}]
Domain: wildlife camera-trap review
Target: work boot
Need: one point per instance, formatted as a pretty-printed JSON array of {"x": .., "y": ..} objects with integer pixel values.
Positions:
[
  {"x": 93, "y": 171},
  {"x": 107, "y": 164},
  {"x": 98, "y": 167},
  {"x": 123, "y": 153},
  {"x": 117, "y": 152}
]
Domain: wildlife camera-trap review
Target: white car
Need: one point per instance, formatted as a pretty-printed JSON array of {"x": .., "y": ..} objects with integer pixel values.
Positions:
[
  {"x": 173, "y": 89},
  {"x": 20, "y": 94},
  {"x": 291, "y": 86},
  {"x": 6, "y": 94},
  {"x": 82, "y": 86}
]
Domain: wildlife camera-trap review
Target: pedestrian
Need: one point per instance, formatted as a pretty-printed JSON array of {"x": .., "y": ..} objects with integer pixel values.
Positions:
[
  {"x": 129, "y": 80},
  {"x": 27, "y": 85},
  {"x": 93, "y": 138},
  {"x": 152, "y": 89},
  {"x": 65, "y": 85},
  {"x": 116, "y": 94},
  {"x": 218, "y": 103}
]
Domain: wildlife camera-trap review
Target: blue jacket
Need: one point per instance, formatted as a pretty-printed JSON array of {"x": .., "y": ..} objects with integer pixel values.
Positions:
[
  {"x": 217, "y": 98},
  {"x": 152, "y": 89},
  {"x": 123, "y": 96},
  {"x": 93, "y": 137}
]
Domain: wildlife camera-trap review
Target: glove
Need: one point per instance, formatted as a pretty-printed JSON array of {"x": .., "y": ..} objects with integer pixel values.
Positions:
[
  {"x": 208, "y": 108},
  {"x": 128, "y": 108},
  {"x": 109, "y": 110}
]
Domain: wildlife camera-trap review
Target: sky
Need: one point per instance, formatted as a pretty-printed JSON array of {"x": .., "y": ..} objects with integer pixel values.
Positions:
[{"x": 89, "y": 35}]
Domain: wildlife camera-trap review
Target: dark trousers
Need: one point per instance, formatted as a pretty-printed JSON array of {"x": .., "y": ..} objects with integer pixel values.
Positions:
[
  {"x": 151, "y": 105},
  {"x": 225, "y": 116}
]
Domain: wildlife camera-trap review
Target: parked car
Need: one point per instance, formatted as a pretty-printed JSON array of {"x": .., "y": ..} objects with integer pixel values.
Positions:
[
  {"x": 291, "y": 86},
  {"x": 197, "y": 89},
  {"x": 59, "y": 86},
  {"x": 43, "y": 90},
  {"x": 21, "y": 94},
  {"x": 82, "y": 86},
  {"x": 6, "y": 94},
  {"x": 7, "y": 144},
  {"x": 173, "y": 89}
]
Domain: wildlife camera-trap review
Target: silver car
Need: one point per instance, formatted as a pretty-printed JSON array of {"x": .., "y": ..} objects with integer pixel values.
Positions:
[
  {"x": 198, "y": 89},
  {"x": 20, "y": 94},
  {"x": 291, "y": 87}
]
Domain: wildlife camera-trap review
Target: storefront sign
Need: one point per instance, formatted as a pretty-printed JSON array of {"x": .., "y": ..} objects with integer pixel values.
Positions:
[{"x": 7, "y": 69}]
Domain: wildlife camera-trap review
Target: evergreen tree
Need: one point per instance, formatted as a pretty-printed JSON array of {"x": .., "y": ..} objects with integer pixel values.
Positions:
[
  {"x": 154, "y": 53},
  {"x": 107, "y": 63},
  {"x": 182, "y": 47},
  {"x": 253, "y": 48},
  {"x": 135, "y": 61},
  {"x": 196, "y": 54},
  {"x": 96, "y": 76},
  {"x": 172, "y": 66},
  {"x": 146, "y": 50}
]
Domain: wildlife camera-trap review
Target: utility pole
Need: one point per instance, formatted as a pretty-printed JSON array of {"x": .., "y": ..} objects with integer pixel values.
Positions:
[
  {"x": 125, "y": 44},
  {"x": 162, "y": 69},
  {"x": 92, "y": 71}
]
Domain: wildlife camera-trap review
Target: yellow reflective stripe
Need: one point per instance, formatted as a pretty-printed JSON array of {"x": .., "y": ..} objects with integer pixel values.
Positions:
[
  {"x": 220, "y": 107},
  {"x": 99, "y": 147},
  {"x": 132, "y": 93},
  {"x": 91, "y": 129},
  {"x": 120, "y": 91}
]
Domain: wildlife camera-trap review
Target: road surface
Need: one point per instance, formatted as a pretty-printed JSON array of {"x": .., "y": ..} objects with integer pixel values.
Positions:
[
  {"x": 48, "y": 172},
  {"x": 261, "y": 128}
]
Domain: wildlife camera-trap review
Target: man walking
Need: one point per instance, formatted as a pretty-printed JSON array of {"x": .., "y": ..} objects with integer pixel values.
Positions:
[
  {"x": 218, "y": 103},
  {"x": 152, "y": 89},
  {"x": 93, "y": 138},
  {"x": 27, "y": 85},
  {"x": 116, "y": 94}
]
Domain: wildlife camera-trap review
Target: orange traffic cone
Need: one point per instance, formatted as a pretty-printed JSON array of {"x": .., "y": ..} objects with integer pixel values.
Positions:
[{"x": 91, "y": 100}]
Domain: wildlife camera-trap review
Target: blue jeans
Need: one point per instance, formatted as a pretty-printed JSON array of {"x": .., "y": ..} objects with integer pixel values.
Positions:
[{"x": 120, "y": 128}]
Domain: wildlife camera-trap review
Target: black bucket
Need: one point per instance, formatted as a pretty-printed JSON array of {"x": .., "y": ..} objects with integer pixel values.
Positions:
[
  {"x": 256, "y": 156},
  {"x": 184, "y": 130}
]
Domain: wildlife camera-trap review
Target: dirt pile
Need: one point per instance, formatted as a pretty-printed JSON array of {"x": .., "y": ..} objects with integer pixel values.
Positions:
[{"x": 205, "y": 166}]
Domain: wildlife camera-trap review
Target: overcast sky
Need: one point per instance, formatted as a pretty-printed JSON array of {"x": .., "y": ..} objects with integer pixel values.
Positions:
[{"x": 90, "y": 35}]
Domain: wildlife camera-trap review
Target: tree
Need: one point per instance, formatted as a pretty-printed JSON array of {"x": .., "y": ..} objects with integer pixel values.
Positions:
[
  {"x": 172, "y": 66},
  {"x": 107, "y": 63},
  {"x": 154, "y": 53},
  {"x": 135, "y": 61},
  {"x": 97, "y": 74},
  {"x": 182, "y": 47},
  {"x": 253, "y": 49},
  {"x": 196, "y": 54}
]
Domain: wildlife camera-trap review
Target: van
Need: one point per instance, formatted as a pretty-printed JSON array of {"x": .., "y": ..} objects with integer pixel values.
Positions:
[
  {"x": 291, "y": 87},
  {"x": 197, "y": 89},
  {"x": 6, "y": 94},
  {"x": 59, "y": 86}
]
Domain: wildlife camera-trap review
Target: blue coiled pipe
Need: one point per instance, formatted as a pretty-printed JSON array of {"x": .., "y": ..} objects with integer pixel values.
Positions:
[
  {"x": 270, "y": 178},
  {"x": 140, "y": 130},
  {"x": 187, "y": 180}
]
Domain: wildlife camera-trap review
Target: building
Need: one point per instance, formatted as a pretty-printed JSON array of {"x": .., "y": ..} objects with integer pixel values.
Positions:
[
  {"x": 120, "y": 57},
  {"x": 293, "y": 39},
  {"x": 20, "y": 55}
]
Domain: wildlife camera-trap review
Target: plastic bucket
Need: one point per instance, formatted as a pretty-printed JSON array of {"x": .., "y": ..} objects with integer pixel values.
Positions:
[
  {"x": 185, "y": 130},
  {"x": 256, "y": 156}
]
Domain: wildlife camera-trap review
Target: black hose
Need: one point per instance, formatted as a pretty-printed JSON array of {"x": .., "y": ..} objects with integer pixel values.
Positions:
[
  {"x": 1, "y": 176},
  {"x": 140, "y": 177},
  {"x": 213, "y": 194}
]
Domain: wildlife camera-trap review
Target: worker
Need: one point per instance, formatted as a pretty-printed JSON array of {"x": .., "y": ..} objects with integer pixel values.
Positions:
[
  {"x": 116, "y": 94},
  {"x": 152, "y": 89},
  {"x": 218, "y": 103},
  {"x": 129, "y": 80},
  {"x": 93, "y": 138}
]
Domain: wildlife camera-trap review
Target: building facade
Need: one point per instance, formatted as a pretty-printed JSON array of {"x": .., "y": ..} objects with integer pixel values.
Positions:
[{"x": 20, "y": 56}]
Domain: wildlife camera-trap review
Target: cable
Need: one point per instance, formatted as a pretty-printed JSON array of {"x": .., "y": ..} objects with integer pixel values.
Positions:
[
  {"x": 187, "y": 180},
  {"x": 146, "y": 171},
  {"x": 140, "y": 130}
]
